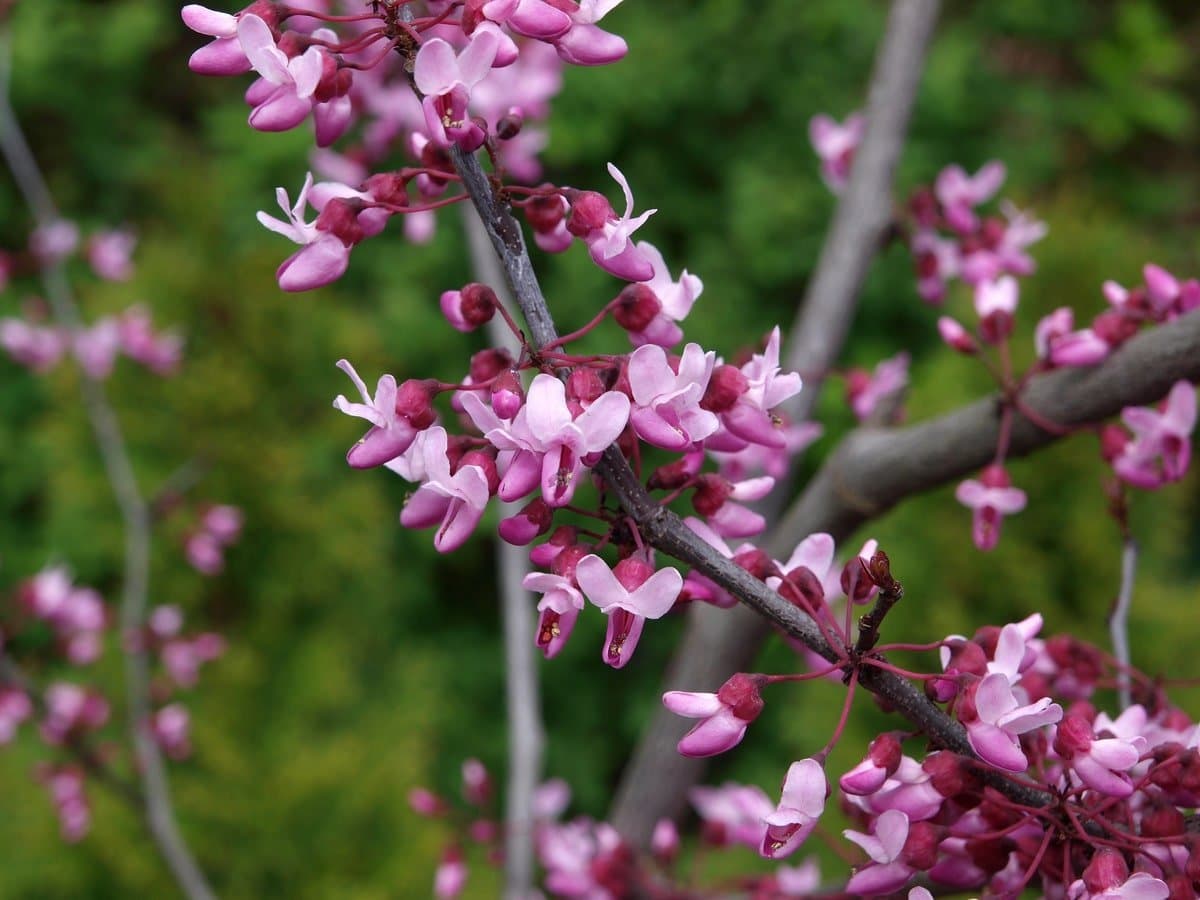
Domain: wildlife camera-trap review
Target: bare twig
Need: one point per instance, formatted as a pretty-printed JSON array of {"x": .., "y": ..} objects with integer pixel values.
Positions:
[
  {"x": 526, "y": 735},
  {"x": 158, "y": 813},
  {"x": 1118, "y": 620},
  {"x": 655, "y": 782}
]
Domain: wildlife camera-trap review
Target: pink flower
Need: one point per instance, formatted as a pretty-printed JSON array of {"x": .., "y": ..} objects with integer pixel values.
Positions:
[
  {"x": 96, "y": 348},
  {"x": 991, "y": 498},
  {"x": 560, "y": 605},
  {"x": 1057, "y": 343},
  {"x": 938, "y": 260},
  {"x": 566, "y": 441},
  {"x": 223, "y": 55},
  {"x": 34, "y": 346},
  {"x": 446, "y": 80},
  {"x": 744, "y": 398},
  {"x": 451, "y": 875},
  {"x": 587, "y": 45},
  {"x": 456, "y": 500},
  {"x": 882, "y": 761},
  {"x": 887, "y": 871},
  {"x": 666, "y": 399},
  {"x": 71, "y": 711},
  {"x": 959, "y": 193},
  {"x": 531, "y": 18},
  {"x": 160, "y": 353},
  {"x": 1161, "y": 446},
  {"x": 390, "y": 433},
  {"x": 109, "y": 253},
  {"x": 732, "y": 813},
  {"x": 15, "y": 708},
  {"x": 170, "y": 726},
  {"x": 804, "y": 792},
  {"x": 628, "y": 594},
  {"x": 610, "y": 246},
  {"x": 1102, "y": 763},
  {"x": 675, "y": 298},
  {"x": 1107, "y": 878},
  {"x": 324, "y": 256},
  {"x": 995, "y": 303},
  {"x": 1002, "y": 719},
  {"x": 223, "y": 522},
  {"x": 577, "y": 855},
  {"x": 866, "y": 391},
  {"x": 65, "y": 784},
  {"x": 283, "y": 96},
  {"x": 955, "y": 336},
  {"x": 835, "y": 145},
  {"x": 53, "y": 242},
  {"x": 724, "y": 715}
]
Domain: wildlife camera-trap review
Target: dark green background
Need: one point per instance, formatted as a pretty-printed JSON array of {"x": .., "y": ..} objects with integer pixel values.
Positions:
[{"x": 360, "y": 662}]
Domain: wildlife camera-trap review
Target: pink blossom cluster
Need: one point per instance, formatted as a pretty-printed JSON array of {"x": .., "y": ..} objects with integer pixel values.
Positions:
[
  {"x": 95, "y": 348},
  {"x": 1026, "y": 705},
  {"x": 218, "y": 528},
  {"x": 71, "y": 715}
]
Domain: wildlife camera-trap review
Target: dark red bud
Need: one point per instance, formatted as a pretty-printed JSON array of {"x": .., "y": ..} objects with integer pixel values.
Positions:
[
  {"x": 991, "y": 233},
  {"x": 886, "y": 752},
  {"x": 995, "y": 476},
  {"x": 741, "y": 693},
  {"x": 921, "y": 846},
  {"x": 802, "y": 587},
  {"x": 414, "y": 401},
  {"x": 509, "y": 125},
  {"x": 1107, "y": 869},
  {"x": 924, "y": 207},
  {"x": 636, "y": 307},
  {"x": 711, "y": 493},
  {"x": 564, "y": 564},
  {"x": 989, "y": 855},
  {"x": 1113, "y": 439},
  {"x": 755, "y": 561},
  {"x": 856, "y": 580},
  {"x": 486, "y": 463},
  {"x": 725, "y": 387},
  {"x": 544, "y": 211},
  {"x": 584, "y": 385},
  {"x": 1163, "y": 821},
  {"x": 487, "y": 364},
  {"x": 387, "y": 187},
  {"x": 1074, "y": 736},
  {"x": 671, "y": 476},
  {"x": 1192, "y": 867},
  {"x": 589, "y": 211},
  {"x": 478, "y": 303},
  {"x": 632, "y": 572},
  {"x": 340, "y": 218},
  {"x": 1180, "y": 887},
  {"x": 1114, "y": 328},
  {"x": 949, "y": 774}
]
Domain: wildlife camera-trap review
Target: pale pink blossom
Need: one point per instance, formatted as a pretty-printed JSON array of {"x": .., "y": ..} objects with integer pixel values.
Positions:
[
  {"x": 96, "y": 348},
  {"x": 1161, "y": 447},
  {"x": 628, "y": 594},
  {"x": 390, "y": 433},
  {"x": 586, "y": 44},
  {"x": 990, "y": 499},
  {"x": 55, "y": 241},
  {"x": 224, "y": 54},
  {"x": 323, "y": 257},
  {"x": 171, "y": 726},
  {"x": 866, "y": 391},
  {"x": 446, "y": 79},
  {"x": 283, "y": 96},
  {"x": 835, "y": 145},
  {"x": 804, "y": 792},
  {"x": 666, "y": 398},
  {"x": 676, "y": 299},
  {"x": 455, "y": 500},
  {"x": 959, "y": 193},
  {"x": 887, "y": 871},
  {"x": 724, "y": 716},
  {"x": 733, "y": 813},
  {"x": 610, "y": 245},
  {"x": 35, "y": 346}
]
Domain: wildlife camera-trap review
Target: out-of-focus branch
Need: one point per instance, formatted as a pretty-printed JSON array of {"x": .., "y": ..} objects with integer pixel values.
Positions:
[
  {"x": 157, "y": 810},
  {"x": 656, "y": 780},
  {"x": 1118, "y": 620},
  {"x": 526, "y": 735}
]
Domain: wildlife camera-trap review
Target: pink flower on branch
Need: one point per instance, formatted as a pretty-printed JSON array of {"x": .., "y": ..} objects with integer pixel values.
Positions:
[
  {"x": 324, "y": 255},
  {"x": 396, "y": 415},
  {"x": 446, "y": 79},
  {"x": 628, "y": 594},
  {"x": 804, "y": 793},
  {"x": 1161, "y": 447},
  {"x": 990, "y": 499},
  {"x": 455, "y": 499},
  {"x": 724, "y": 716},
  {"x": 835, "y": 145}
]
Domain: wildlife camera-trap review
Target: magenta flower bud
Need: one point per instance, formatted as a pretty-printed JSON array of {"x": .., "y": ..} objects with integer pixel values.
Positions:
[
  {"x": 1189, "y": 296},
  {"x": 636, "y": 307},
  {"x": 544, "y": 554},
  {"x": 486, "y": 463},
  {"x": 589, "y": 211},
  {"x": 664, "y": 842},
  {"x": 532, "y": 521},
  {"x": 507, "y": 395},
  {"x": 426, "y": 803},
  {"x": 956, "y": 337},
  {"x": 545, "y": 212},
  {"x": 414, "y": 401},
  {"x": 584, "y": 386},
  {"x": 1107, "y": 869},
  {"x": 451, "y": 875},
  {"x": 725, "y": 388},
  {"x": 477, "y": 784},
  {"x": 487, "y": 364},
  {"x": 948, "y": 774},
  {"x": 1114, "y": 328},
  {"x": 676, "y": 474},
  {"x": 803, "y": 588},
  {"x": 724, "y": 715},
  {"x": 856, "y": 581},
  {"x": 509, "y": 124},
  {"x": 757, "y": 562},
  {"x": 479, "y": 303},
  {"x": 923, "y": 207},
  {"x": 1074, "y": 735},
  {"x": 921, "y": 847},
  {"x": 711, "y": 493},
  {"x": 1162, "y": 821}
]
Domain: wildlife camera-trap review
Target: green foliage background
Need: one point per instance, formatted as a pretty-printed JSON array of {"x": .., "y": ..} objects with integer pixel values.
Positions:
[{"x": 361, "y": 663}]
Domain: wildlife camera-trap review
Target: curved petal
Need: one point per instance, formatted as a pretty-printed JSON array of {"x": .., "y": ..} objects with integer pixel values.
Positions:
[
  {"x": 657, "y": 594},
  {"x": 436, "y": 68},
  {"x": 691, "y": 704},
  {"x": 320, "y": 263},
  {"x": 258, "y": 43},
  {"x": 598, "y": 583}
]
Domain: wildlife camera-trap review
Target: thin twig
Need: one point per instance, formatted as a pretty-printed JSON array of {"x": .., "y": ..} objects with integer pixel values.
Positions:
[
  {"x": 526, "y": 734},
  {"x": 158, "y": 813},
  {"x": 1118, "y": 620}
]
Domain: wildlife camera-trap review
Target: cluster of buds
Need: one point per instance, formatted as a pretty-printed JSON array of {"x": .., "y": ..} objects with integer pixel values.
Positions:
[{"x": 218, "y": 528}]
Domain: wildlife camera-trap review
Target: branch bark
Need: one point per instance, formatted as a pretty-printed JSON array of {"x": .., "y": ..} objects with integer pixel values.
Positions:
[{"x": 157, "y": 810}]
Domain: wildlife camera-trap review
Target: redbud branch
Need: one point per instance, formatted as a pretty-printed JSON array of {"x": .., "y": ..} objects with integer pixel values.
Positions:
[
  {"x": 157, "y": 810},
  {"x": 1118, "y": 620}
]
